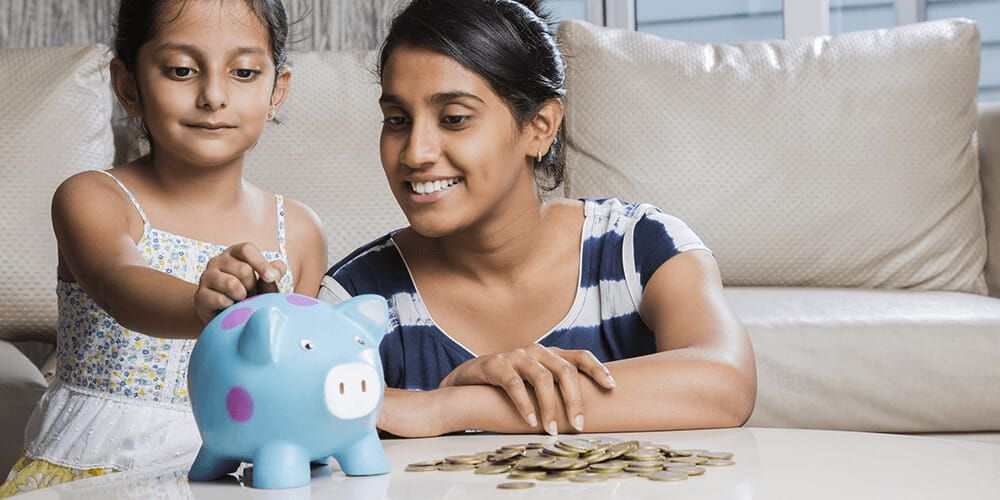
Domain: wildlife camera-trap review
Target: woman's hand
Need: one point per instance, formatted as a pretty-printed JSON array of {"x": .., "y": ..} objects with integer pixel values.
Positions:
[
  {"x": 414, "y": 413},
  {"x": 235, "y": 274},
  {"x": 542, "y": 367}
]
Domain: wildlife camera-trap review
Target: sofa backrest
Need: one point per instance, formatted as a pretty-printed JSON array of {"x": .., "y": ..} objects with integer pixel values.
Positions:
[{"x": 989, "y": 173}]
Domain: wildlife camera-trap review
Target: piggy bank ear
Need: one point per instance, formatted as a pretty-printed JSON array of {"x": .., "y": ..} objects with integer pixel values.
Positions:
[
  {"x": 260, "y": 339},
  {"x": 371, "y": 313}
]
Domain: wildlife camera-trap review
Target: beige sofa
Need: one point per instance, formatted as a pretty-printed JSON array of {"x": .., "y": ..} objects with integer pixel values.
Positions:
[{"x": 853, "y": 208}]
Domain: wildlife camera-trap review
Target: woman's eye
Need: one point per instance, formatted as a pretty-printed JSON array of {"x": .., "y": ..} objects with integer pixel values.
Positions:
[
  {"x": 359, "y": 340},
  {"x": 455, "y": 119},
  {"x": 394, "y": 121},
  {"x": 179, "y": 72},
  {"x": 245, "y": 74},
  {"x": 306, "y": 345}
]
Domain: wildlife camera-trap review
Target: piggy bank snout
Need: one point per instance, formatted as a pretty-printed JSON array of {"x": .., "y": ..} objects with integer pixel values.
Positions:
[{"x": 353, "y": 390}]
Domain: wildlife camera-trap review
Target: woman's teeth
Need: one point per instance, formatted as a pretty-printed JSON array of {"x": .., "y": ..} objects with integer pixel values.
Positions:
[{"x": 433, "y": 186}]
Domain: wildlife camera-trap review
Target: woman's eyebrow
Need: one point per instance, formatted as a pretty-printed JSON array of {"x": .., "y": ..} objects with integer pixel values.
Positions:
[{"x": 434, "y": 99}]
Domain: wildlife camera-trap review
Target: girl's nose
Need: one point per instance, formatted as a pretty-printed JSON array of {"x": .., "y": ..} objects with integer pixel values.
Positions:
[{"x": 213, "y": 95}]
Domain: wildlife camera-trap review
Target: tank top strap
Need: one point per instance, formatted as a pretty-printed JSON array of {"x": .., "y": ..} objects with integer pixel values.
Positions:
[
  {"x": 279, "y": 202},
  {"x": 135, "y": 203}
]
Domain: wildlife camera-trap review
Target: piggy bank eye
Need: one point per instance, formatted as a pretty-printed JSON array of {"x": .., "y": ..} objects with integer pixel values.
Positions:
[
  {"x": 359, "y": 340},
  {"x": 306, "y": 344}
]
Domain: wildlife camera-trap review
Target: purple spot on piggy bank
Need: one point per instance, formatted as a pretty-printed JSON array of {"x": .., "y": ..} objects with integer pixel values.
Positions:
[{"x": 281, "y": 382}]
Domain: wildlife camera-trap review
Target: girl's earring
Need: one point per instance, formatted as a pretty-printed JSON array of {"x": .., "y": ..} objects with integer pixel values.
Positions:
[
  {"x": 270, "y": 114},
  {"x": 538, "y": 155}
]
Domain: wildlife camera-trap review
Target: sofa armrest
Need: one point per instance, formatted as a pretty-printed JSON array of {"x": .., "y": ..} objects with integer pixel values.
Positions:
[
  {"x": 21, "y": 385},
  {"x": 989, "y": 173}
]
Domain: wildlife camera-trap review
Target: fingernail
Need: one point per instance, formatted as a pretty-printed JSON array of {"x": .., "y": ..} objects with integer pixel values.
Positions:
[
  {"x": 578, "y": 423},
  {"x": 532, "y": 420},
  {"x": 552, "y": 429},
  {"x": 271, "y": 275},
  {"x": 611, "y": 382}
]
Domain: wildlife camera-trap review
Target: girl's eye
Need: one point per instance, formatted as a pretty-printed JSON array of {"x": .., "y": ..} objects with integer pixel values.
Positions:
[
  {"x": 455, "y": 119},
  {"x": 394, "y": 121},
  {"x": 306, "y": 345},
  {"x": 359, "y": 340},
  {"x": 245, "y": 74},
  {"x": 180, "y": 72}
]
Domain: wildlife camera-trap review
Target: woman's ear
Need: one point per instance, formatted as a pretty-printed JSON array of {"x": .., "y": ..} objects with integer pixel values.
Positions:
[
  {"x": 544, "y": 127},
  {"x": 125, "y": 87},
  {"x": 281, "y": 85}
]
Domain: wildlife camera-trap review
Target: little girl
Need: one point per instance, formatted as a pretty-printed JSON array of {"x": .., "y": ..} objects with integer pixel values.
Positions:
[{"x": 202, "y": 77}]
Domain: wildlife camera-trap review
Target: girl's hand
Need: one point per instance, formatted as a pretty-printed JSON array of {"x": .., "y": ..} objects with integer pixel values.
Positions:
[
  {"x": 235, "y": 274},
  {"x": 541, "y": 367}
]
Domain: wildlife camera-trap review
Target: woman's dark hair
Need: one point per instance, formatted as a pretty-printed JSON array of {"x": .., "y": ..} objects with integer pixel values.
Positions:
[
  {"x": 506, "y": 42},
  {"x": 139, "y": 20}
]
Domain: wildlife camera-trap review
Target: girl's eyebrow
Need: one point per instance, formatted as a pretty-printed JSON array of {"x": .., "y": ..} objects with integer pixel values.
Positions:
[{"x": 191, "y": 48}]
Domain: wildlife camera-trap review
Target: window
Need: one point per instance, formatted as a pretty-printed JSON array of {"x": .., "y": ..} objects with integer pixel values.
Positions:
[
  {"x": 733, "y": 21},
  {"x": 725, "y": 21}
]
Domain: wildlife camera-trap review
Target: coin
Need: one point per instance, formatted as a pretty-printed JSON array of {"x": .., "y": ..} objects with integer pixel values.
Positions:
[
  {"x": 517, "y": 485},
  {"x": 717, "y": 455},
  {"x": 426, "y": 463},
  {"x": 523, "y": 474},
  {"x": 576, "y": 445},
  {"x": 690, "y": 470},
  {"x": 421, "y": 468},
  {"x": 492, "y": 469},
  {"x": 519, "y": 447},
  {"x": 552, "y": 477},
  {"x": 589, "y": 477},
  {"x": 693, "y": 452},
  {"x": 667, "y": 476},
  {"x": 556, "y": 451},
  {"x": 562, "y": 464},
  {"x": 453, "y": 467},
  {"x": 644, "y": 454},
  {"x": 692, "y": 460},
  {"x": 466, "y": 459},
  {"x": 505, "y": 455},
  {"x": 535, "y": 462},
  {"x": 568, "y": 472},
  {"x": 608, "y": 466},
  {"x": 621, "y": 475},
  {"x": 717, "y": 463}
]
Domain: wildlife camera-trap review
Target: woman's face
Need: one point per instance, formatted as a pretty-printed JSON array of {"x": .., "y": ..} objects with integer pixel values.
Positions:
[{"x": 451, "y": 149}]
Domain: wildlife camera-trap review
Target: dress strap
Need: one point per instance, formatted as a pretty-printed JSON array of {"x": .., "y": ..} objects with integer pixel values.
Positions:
[
  {"x": 279, "y": 202},
  {"x": 135, "y": 203}
]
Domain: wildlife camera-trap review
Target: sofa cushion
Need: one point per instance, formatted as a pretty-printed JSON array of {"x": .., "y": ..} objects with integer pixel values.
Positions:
[
  {"x": 829, "y": 162},
  {"x": 325, "y": 152},
  {"x": 989, "y": 173},
  {"x": 21, "y": 385},
  {"x": 57, "y": 109},
  {"x": 873, "y": 360}
]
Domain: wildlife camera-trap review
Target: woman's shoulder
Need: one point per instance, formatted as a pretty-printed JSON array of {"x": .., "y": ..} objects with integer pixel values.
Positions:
[{"x": 375, "y": 267}]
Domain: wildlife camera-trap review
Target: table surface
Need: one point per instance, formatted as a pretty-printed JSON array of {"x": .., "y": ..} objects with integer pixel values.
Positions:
[{"x": 770, "y": 463}]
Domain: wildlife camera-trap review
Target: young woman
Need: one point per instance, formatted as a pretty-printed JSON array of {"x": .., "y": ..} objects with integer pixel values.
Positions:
[{"x": 511, "y": 313}]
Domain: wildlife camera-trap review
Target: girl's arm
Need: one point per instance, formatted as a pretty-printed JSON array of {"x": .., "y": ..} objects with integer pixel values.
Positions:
[
  {"x": 94, "y": 224},
  {"x": 703, "y": 375}
]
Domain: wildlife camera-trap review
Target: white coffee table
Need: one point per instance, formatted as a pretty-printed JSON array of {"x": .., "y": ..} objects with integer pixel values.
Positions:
[{"x": 770, "y": 464}]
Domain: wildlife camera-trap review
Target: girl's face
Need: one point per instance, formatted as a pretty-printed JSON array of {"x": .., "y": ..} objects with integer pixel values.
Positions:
[
  {"x": 451, "y": 149},
  {"x": 206, "y": 81}
]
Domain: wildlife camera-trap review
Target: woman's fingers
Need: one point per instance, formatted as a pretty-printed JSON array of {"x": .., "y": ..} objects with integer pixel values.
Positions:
[
  {"x": 500, "y": 372},
  {"x": 586, "y": 362},
  {"x": 569, "y": 386},
  {"x": 543, "y": 383}
]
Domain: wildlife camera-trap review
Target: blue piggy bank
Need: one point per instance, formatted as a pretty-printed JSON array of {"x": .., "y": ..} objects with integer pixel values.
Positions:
[{"x": 284, "y": 380}]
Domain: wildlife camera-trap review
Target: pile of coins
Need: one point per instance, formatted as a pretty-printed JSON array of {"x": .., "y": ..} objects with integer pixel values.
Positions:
[{"x": 582, "y": 460}]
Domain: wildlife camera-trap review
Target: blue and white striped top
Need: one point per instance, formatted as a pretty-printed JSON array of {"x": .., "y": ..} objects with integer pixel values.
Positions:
[{"x": 621, "y": 246}]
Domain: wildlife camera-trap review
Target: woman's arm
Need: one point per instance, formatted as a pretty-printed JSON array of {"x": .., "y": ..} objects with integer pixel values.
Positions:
[{"x": 703, "y": 375}]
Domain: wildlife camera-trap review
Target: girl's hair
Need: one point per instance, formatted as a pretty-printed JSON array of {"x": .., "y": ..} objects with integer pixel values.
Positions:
[
  {"x": 139, "y": 20},
  {"x": 506, "y": 42}
]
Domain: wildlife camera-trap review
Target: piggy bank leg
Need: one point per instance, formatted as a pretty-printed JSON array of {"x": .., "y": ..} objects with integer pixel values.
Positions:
[
  {"x": 280, "y": 465},
  {"x": 364, "y": 457},
  {"x": 208, "y": 466}
]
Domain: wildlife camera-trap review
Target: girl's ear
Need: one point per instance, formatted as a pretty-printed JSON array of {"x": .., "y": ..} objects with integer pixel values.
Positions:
[
  {"x": 544, "y": 127},
  {"x": 281, "y": 85},
  {"x": 125, "y": 87}
]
